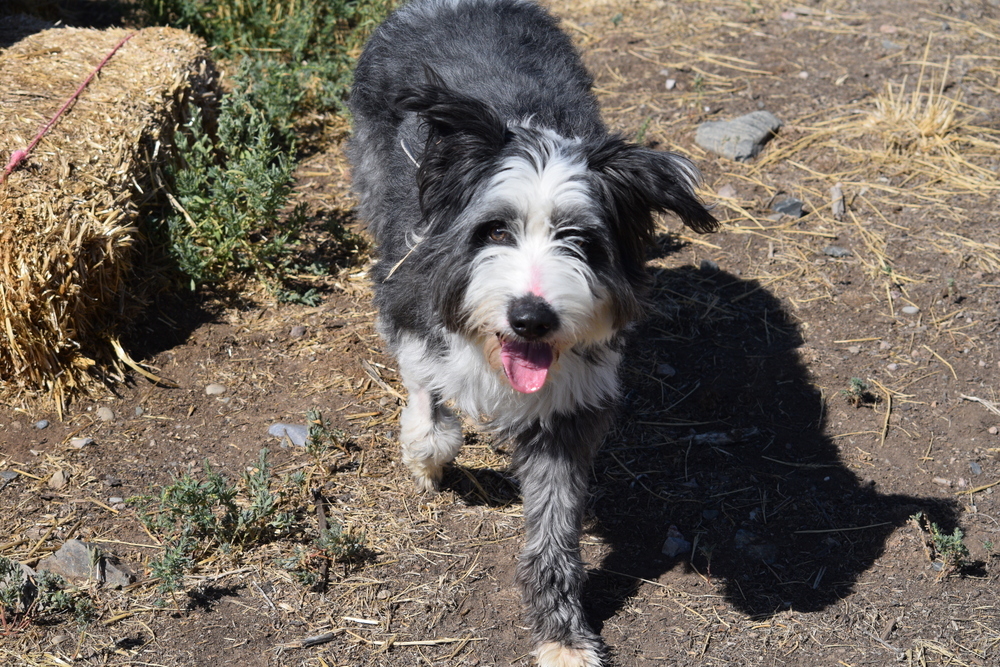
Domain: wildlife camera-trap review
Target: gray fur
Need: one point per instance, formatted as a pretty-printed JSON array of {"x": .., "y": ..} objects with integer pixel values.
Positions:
[{"x": 448, "y": 94}]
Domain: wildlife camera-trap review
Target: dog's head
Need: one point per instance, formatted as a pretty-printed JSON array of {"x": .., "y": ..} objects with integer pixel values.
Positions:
[{"x": 535, "y": 243}]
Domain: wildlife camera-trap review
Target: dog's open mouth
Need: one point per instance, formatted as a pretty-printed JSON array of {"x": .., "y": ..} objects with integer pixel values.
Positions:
[{"x": 526, "y": 364}]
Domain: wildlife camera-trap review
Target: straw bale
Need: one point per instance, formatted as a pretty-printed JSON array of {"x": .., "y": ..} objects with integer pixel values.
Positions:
[{"x": 70, "y": 253}]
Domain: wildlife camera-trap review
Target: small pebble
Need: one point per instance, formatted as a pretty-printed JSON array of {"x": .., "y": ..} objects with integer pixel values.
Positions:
[
  {"x": 80, "y": 443},
  {"x": 893, "y": 367},
  {"x": 708, "y": 266},
  {"x": 671, "y": 84},
  {"x": 854, "y": 349},
  {"x": 8, "y": 475},
  {"x": 112, "y": 481},
  {"x": 710, "y": 514},
  {"x": 296, "y": 433},
  {"x": 993, "y": 430},
  {"x": 41, "y": 423},
  {"x": 836, "y": 251},
  {"x": 727, "y": 191},
  {"x": 910, "y": 310},
  {"x": 803, "y": 75},
  {"x": 837, "y": 206},
  {"x": 114, "y": 500},
  {"x": 215, "y": 389},
  {"x": 975, "y": 468},
  {"x": 942, "y": 481},
  {"x": 138, "y": 411},
  {"x": 298, "y": 331},
  {"x": 675, "y": 543},
  {"x": 666, "y": 370},
  {"x": 788, "y": 206},
  {"x": 105, "y": 414},
  {"x": 58, "y": 480}
]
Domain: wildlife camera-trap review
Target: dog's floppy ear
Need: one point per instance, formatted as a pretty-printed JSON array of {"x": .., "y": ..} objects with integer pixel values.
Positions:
[
  {"x": 638, "y": 178},
  {"x": 446, "y": 112},
  {"x": 463, "y": 136}
]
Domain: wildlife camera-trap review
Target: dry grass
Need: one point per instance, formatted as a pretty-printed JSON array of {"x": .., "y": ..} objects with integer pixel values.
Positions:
[{"x": 68, "y": 236}]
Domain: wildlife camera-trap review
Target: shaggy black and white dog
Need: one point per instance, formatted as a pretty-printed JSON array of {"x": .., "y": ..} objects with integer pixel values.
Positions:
[{"x": 511, "y": 231}]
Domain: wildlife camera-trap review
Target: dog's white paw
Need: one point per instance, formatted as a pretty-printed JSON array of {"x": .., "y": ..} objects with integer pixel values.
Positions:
[
  {"x": 554, "y": 654},
  {"x": 426, "y": 475},
  {"x": 428, "y": 444}
]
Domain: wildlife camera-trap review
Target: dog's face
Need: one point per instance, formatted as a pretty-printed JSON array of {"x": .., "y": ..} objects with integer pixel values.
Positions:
[{"x": 534, "y": 242}]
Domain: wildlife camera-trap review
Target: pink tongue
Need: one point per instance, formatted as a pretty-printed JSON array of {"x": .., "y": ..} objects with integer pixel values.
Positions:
[{"x": 526, "y": 364}]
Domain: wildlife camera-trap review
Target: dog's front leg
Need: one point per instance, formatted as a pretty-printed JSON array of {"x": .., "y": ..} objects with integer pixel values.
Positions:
[
  {"x": 553, "y": 464},
  {"x": 430, "y": 435}
]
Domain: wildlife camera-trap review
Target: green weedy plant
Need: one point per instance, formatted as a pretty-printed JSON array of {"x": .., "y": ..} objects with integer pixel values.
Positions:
[
  {"x": 198, "y": 517},
  {"x": 333, "y": 545},
  {"x": 321, "y": 436},
  {"x": 22, "y": 604},
  {"x": 230, "y": 192},
  {"x": 12, "y": 587},
  {"x": 947, "y": 549},
  {"x": 228, "y": 218},
  {"x": 858, "y": 393}
]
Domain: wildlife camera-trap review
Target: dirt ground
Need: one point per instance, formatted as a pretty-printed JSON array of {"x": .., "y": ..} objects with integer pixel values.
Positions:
[{"x": 737, "y": 426}]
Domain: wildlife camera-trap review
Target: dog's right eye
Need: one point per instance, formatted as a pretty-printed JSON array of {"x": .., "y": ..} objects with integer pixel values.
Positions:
[
  {"x": 493, "y": 231},
  {"x": 497, "y": 232}
]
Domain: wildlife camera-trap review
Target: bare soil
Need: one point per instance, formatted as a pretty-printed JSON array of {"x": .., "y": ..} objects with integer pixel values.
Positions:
[{"x": 736, "y": 429}]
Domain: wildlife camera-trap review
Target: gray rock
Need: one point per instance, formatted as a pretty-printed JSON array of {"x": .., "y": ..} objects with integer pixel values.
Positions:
[
  {"x": 105, "y": 414},
  {"x": 215, "y": 389},
  {"x": 742, "y": 538},
  {"x": 8, "y": 475},
  {"x": 708, "y": 266},
  {"x": 296, "y": 433},
  {"x": 112, "y": 481},
  {"x": 675, "y": 543},
  {"x": 910, "y": 310},
  {"x": 298, "y": 331},
  {"x": 788, "y": 206},
  {"x": 768, "y": 553},
  {"x": 836, "y": 251},
  {"x": 58, "y": 480},
  {"x": 80, "y": 443},
  {"x": 41, "y": 423},
  {"x": 975, "y": 468},
  {"x": 739, "y": 139},
  {"x": 79, "y": 560},
  {"x": 837, "y": 205},
  {"x": 666, "y": 370},
  {"x": 727, "y": 191}
]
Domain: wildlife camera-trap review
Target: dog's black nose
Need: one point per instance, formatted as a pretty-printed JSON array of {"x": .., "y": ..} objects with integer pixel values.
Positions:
[{"x": 531, "y": 317}]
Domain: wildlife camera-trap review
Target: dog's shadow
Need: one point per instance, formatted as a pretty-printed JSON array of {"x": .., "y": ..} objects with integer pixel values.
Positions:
[{"x": 723, "y": 435}]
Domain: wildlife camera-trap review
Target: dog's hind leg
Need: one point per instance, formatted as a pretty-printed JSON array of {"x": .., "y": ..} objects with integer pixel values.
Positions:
[
  {"x": 431, "y": 436},
  {"x": 553, "y": 464}
]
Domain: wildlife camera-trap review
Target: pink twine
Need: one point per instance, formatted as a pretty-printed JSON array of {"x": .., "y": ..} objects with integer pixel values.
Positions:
[{"x": 17, "y": 156}]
